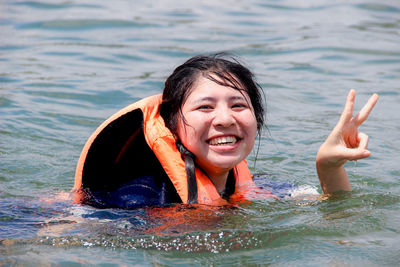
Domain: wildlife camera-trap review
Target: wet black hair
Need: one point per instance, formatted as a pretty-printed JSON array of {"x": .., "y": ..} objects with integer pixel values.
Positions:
[{"x": 221, "y": 68}]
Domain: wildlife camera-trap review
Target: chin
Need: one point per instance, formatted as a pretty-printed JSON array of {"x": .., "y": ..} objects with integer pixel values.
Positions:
[{"x": 227, "y": 164}]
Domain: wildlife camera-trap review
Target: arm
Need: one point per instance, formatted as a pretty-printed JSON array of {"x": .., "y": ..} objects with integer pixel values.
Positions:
[{"x": 344, "y": 143}]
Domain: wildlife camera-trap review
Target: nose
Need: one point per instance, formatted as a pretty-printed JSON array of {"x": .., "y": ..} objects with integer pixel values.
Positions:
[{"x": 223, "y": 117}]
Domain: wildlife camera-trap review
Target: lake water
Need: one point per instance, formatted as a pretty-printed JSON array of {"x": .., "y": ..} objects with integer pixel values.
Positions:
[{"x": 65, "y": 66}]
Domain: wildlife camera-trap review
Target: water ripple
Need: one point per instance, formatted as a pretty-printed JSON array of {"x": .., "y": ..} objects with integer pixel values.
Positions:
[
  {"x": 45, "y": 6},
  {"x": 378, "y": 7},
  {"x": 82, "y": 25}
]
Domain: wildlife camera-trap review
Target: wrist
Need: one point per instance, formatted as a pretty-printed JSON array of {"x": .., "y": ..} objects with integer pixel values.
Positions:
[{"x": 332, "y": 178}]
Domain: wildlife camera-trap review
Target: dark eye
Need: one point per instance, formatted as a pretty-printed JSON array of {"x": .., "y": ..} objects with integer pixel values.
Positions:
[
  {"x": 239, "y": 105},
  {"x": 204, "y": 107}
]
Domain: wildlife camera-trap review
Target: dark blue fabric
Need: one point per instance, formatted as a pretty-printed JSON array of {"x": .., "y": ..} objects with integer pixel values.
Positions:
[
  {"x": 278, "y": 188},
  {"x": 140, "y": 192},
  {"x": 147, "y": 191}
]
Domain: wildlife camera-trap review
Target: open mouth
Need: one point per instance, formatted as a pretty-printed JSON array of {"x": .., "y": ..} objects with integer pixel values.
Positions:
[{"x": 224, "y": 140}]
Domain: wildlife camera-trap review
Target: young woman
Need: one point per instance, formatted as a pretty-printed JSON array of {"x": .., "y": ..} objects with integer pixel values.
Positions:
[{"x": 189, "y": 145}]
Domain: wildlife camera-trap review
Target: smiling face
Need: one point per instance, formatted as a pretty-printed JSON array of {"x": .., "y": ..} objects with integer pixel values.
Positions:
[{"x": 219, "y": 126}]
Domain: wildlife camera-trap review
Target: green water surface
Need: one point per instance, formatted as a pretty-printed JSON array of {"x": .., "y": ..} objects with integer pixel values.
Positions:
[{"x": 65, "y": 66}]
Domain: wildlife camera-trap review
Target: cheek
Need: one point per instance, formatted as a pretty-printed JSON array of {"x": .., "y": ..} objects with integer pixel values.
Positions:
[
  {"x": 194, "y": 132},
  {"x": 250, "y": 123},
  {"x": 251, "y": 131},
  {"x": 181, "y": 130},
  {"x": 254, "y": 128},
  {"x": 186, "y": 134}
]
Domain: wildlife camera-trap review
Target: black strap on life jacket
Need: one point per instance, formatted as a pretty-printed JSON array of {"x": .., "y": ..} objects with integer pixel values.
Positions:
[{"x": 188, "y": 157}]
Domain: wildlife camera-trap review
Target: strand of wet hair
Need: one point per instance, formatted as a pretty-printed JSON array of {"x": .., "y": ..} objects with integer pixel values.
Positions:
[{"x": 189, "y": 157}]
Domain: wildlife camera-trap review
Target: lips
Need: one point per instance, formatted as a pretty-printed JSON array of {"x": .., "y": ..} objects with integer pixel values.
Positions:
[{"x": 223, "y": 140}]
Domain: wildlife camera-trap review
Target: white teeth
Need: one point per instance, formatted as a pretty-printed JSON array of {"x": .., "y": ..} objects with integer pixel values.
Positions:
[{"x": 226, "y": 140}]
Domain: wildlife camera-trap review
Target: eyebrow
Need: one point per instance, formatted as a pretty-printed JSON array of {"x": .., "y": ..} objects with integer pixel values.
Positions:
[
  {"x": 212, "y": 99},
  {"x": 204, "y": 99}
]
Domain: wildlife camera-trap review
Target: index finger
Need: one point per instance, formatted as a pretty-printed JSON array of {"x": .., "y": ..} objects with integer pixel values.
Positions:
[{"x": 366, "y": 110}]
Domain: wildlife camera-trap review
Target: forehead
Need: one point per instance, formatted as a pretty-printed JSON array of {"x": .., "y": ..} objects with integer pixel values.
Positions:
[{"x": 212, "y": 85}]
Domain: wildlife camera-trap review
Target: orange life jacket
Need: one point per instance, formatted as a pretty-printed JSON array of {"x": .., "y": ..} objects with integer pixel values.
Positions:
[{"x": 163, "y": 144}]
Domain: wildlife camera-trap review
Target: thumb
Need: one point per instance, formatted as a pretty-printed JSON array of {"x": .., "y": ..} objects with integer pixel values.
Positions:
[{"x": 356, "y": 153}]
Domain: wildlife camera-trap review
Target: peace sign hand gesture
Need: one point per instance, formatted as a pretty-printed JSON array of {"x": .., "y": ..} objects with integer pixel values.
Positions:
[{"x": 344, "y": 143}]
